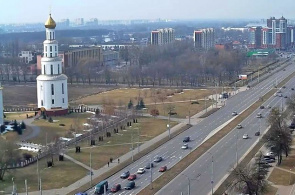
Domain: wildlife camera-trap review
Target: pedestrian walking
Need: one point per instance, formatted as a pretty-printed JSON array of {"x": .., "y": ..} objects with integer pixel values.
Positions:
[
  {"x": 108, "y": 164},
  {"x": 118, "y": 160}
]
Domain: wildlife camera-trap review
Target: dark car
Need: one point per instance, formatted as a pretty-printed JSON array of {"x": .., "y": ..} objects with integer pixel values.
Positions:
[
  {"x": 292, "y": 88},
  {"x": 284, "y": 87},
  {"x": 285, "y": 96},
  {"x": 132, "y": 177},
  {"x": 125, "y": 175},
  {"x": 163, "y": 169},
  {"x": 186, "y": 139},
  {"x": 270, "y": 160},
  {"x": 269, "y": 157},
  {"x": 130, "y": 185},
  {"x": 149, "y": 165},
  {"x": 261, "y": 107},
  {"x": 158, "y": 159},
  {"x": 116, "y": 188},
  {"x": 257, "y": 133}
]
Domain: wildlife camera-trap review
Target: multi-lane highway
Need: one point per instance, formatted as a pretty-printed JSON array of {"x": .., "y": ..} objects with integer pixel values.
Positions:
[
  {"x": 225, "y": 153},
  {"x": 172, "y": 152}
]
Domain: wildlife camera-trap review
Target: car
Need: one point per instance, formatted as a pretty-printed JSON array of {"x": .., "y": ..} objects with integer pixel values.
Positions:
[
  {"x": 131, "y": 177},
  {"x": 279, "y": 91},
  {"x": 292, "y": 89},
  {"x": 140, "y": 170},
  {"x": 130, "y": 185},
  {"x": 257, "y": 133},
  {"x": 268, "y": 106},
  {"x": 125, "y": 175},
  {"x": 280, "y": 95},
  {"x": 259, "y": 115},
  {"x": 234, "y": 113},
  {"x": 158, "y": 159},
  {"x": 186, "y": 139},
  {"x": 270, "y": 160},
  {"x": 284, "y": 69},
  {"x": 81, "y": 193},
  {"x": 261, "y": 107},
  {"x": 245, "y": 136},
  {"x": 284, "y": 87},
  {"x": 184, "y": 146},
  {"x": 239, "y": 126},
  {"x": 163, "y": 169},
  {"x": 116, "y": 188},
  {"x": 149, "y": 165},
  {"x": 285, "y": 96},
  {"x": 269, "y": 154}
]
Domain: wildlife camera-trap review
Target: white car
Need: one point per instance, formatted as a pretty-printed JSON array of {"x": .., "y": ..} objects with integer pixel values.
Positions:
[
  {"x": 269, "y": 154},
  {"x": 140, "y": 170},
  {"x": 239, "y": 126},
  {"x": 259, "y": 115},
  {"x": 245, "y": 136},
  {"x": 184, "y": 146}
]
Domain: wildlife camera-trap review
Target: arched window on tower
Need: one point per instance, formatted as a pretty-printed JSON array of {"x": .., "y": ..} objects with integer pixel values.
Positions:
[
  {"x": 53, "y": 36},
  {"x": 58, "y": 72},
  {"x": 51, "y": 69},
  {"x": 62, "y": 89},
  {"x": 44, "y": 70},
  {"x": 50, "y": 36},
  {"x": 45, "y": 48},
  {"x": 52, "y": 89}
]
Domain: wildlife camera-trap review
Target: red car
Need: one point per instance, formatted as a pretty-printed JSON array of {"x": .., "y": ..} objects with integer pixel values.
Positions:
[
  {"x": 132, "y": 177},
  {"x": 163, "y": 169},
  {"x": 116, "y": 188}
]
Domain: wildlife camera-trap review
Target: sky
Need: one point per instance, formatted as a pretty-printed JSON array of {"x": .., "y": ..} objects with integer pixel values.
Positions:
[{"x": 32, "y": 11}]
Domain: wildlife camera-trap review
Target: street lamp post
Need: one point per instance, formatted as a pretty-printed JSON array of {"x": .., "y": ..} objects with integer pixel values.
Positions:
[
  {"x": 168, "y": 126},
  {"x": 151, "y": 173},
  {"x": 90, "y": 163},
  {"x": 237, "y": 157}
]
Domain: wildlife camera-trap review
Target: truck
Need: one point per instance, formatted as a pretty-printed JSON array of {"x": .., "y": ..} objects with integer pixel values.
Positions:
[{"x": 101, "y": 187}]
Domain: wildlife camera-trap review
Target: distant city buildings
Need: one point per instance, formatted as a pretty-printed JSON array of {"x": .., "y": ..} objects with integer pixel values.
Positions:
[
  {"x": 79, "y": 22},
  {"x": 162, "y": 36},
  {"x": 274, "y": 34},
  {"x": 204, "y": 38},
  {"x": 26, "y": 56}
]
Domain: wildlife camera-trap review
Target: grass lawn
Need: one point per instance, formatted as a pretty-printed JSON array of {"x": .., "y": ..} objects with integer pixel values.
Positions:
[
  {"x": 52, "y": 178},
  {"x": 124, "y": 95},
  {"x": 281, "y": 177},
  {"x": 53, "y": 130},
  {"x": 120, "y": 144}
]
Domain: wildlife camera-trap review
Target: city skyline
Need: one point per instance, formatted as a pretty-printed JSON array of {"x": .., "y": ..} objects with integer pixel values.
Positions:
[{"x": 35, "y": 12}]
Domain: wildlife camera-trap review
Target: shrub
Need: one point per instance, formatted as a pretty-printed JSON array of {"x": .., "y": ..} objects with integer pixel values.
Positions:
[
  {"x": 50, "y": 120},
  {"x": 23, "y": 125},
  {"x": 154, "y": 112}
]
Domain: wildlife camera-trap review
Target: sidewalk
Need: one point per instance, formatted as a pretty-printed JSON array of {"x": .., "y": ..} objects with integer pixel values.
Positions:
[{"x": 65, "y": 190}]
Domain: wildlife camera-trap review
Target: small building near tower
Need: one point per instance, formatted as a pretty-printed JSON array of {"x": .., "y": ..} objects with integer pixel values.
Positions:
[{"x": 52, "y": 86}]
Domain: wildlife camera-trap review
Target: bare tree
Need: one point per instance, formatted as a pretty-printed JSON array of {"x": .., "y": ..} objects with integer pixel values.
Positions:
[{"x": 8, "y": 156}]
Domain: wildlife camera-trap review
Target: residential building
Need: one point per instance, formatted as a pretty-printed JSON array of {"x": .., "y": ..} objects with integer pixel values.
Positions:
[
  {"x": 79, "y": 22},
  {"x": 52, "y": 86},
  {"x": 162, "y": 36},
  {"x": 204, "y": 38},
  {"x": 277, "y": 29},
  {"x": 26, "y": 56}
]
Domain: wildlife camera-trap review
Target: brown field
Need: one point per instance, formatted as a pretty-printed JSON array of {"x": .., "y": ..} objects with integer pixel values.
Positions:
[
  {"x": 281, "y": 177},
  {"x": 26, "y": 95},
  {"x": 123, "y": 96},
  {"x": 119, "y": 144}
]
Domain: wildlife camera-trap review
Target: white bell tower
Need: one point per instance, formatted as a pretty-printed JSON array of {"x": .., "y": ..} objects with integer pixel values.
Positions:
[{"x": 52, "y": 86}]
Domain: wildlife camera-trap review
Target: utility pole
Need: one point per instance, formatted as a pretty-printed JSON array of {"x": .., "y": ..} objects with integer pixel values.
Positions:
[
  {"x": 26, "y": 186},
  {"x": 212, "y": 173},
  {"x": 132, "y": 145},
  {"x": 40, "y": 187},
  {"x": 237, "y": 158},
  {"x": 168, "y": 125},
  {"x": 90, "y": 166},
  {"x": 189, "y": 117},
  {"x": 138, "y": 145},
  {"x": 38, "y": 172}
]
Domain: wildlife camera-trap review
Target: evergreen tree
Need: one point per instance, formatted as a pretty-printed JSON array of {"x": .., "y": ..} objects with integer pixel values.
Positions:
[
  {"x": 23, "y": 125},
  {"x": 141, "y": 104},
  {"x": 130, "y": 104}
]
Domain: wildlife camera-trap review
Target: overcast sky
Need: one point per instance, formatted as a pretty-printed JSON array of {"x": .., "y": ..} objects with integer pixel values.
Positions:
[{"x": 24, "y": 11}]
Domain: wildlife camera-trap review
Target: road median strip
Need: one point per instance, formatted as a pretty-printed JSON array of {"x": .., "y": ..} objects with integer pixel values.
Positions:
[{"x": 165, "y": 178}]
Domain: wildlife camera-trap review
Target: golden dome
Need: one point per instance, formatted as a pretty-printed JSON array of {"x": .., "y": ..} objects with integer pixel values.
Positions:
[{"x": 50, "y": 23}]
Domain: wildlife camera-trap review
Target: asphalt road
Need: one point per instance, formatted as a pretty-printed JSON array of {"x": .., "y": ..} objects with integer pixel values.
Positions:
[
  {"x": 225, "y": 152},
  {"x": 172, "y": 152}
]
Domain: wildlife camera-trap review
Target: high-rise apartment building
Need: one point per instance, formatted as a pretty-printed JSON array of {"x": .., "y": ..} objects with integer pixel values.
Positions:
[
  {"x": 79, "y": 22},
  {"x": 274, "y": 34},
  {"x": 162, "y": 36},
  {"x": 204, "y": 38}
]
